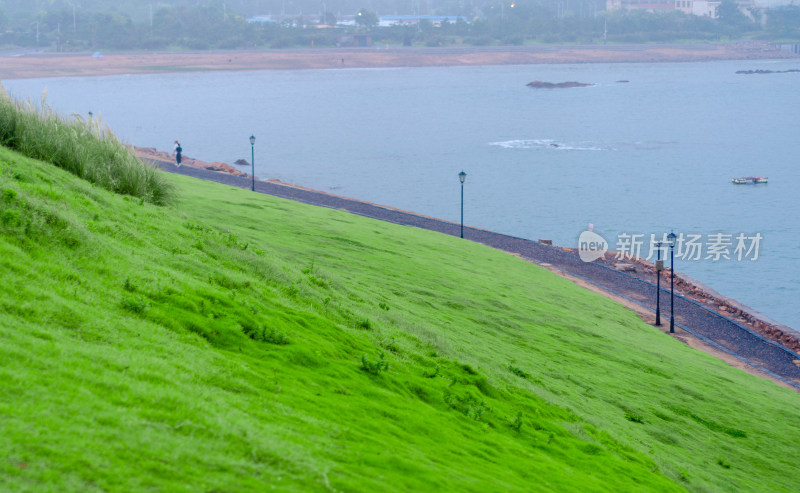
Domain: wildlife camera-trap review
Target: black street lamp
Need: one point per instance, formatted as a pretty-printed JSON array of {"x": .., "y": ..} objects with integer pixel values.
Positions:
[
  {"x": 659, "y": 268},
  {"x": 461, "y": 177},
  {"x": 253, "y": 161},
  {"x": 671, "y": 239}
]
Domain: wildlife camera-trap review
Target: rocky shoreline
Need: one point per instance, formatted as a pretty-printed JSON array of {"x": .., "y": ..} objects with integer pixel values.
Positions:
[
  {"x": 710, "y": 299},
  {"x": 153, "y": 154},
  {"x": 761, "y": 71}
]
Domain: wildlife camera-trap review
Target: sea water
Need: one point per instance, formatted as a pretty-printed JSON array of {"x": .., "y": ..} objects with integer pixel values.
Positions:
[{"x": 646, "y": 149}]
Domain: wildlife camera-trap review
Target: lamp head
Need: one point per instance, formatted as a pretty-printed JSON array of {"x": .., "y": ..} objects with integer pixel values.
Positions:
[
  {"x": 462, "y": 176},
  {"x": 252, "y": 140},
  {"x": 671, "y": 237}
]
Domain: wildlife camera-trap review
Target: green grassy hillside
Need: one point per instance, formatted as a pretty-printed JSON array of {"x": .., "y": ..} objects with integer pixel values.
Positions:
[{"x": 239, "y": 342}]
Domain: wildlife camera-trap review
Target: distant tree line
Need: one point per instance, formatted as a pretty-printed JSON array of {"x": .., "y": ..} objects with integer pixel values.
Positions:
[{"x": 193, "y": 25}]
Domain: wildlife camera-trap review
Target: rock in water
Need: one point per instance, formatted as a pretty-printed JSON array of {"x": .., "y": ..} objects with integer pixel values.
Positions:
[{"x": 537, "y": 84}]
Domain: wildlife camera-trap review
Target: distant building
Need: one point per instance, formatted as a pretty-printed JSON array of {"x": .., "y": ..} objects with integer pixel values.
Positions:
[
  {"x": 286, "y": 19},
  {"x": 650, "y": 5},
  {"x": 705, "y": 8},
  {"x": 406, "y": 20},
  {"x": 700, "y": 8},
  {"x": 684, "y": 6},
  {"x": 262, "y": 19}
]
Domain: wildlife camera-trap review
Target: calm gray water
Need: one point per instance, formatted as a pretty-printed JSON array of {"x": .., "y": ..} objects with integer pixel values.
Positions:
[{"x": 645, "y": 156}]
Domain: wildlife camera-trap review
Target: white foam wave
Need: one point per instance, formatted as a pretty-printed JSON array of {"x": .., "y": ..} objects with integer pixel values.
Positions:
[{"x": 551, "y": 144}]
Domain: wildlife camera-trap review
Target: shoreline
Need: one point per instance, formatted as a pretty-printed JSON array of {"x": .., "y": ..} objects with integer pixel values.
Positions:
[
  {"x": 734, "y": 360},
  {"x": 710, "y": 299},
  {"x": 685, "y": 286},
  {"x": 700, "y": 327},
  {"x": 44, "y": 65},
  {"x": 153, "y": 154},
  {"x": 68, "y": 65}
]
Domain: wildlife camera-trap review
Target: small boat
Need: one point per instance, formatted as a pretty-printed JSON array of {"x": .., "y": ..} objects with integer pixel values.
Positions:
[{"x": 749, "y": 179}]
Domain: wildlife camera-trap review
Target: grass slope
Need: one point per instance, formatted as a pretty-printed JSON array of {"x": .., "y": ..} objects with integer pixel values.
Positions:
[
  {"x": 240, "y": 342},
  {"x": 86, "y": 148}
]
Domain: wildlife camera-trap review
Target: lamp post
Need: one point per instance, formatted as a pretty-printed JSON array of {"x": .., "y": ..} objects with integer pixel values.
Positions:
[
  {"x": 671, "y": 239},
  {"x": 461, "y": 177},
  {"x": 253, "y": 161},
  {"x": 659, "y": 268}
]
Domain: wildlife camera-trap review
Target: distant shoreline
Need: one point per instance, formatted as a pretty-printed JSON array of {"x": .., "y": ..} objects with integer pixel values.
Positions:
[{"x": 43, "y": 65}]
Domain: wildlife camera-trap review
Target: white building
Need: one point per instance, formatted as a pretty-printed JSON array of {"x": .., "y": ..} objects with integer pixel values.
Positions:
[
  {"x": 705, "y": 8},
  {"x": 700, "y": 8}
]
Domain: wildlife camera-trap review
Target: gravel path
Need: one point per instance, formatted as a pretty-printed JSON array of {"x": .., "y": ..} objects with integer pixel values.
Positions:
[{"x": 713, "y": 328}]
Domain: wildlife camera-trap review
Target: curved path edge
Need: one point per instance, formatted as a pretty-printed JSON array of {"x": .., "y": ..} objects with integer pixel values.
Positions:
[{"x": 713, "y": 328}]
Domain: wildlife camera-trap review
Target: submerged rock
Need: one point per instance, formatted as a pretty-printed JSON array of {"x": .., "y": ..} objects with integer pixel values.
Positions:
[
  {"x": 762, "y": 71},
  {"x": 537, "y": 84}
]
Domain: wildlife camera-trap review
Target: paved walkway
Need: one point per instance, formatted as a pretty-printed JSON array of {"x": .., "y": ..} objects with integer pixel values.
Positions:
[{"x": 719, "y": 331}]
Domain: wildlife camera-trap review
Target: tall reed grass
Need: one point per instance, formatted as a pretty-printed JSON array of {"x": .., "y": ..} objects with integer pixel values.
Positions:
[{"x": 84, "y": 147}]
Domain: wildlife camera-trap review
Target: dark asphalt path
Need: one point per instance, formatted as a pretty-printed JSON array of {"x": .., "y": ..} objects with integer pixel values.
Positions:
[{"x": 721, "y": 332}]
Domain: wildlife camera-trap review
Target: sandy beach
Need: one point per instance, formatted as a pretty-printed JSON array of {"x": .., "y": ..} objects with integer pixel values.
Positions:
[{"x": 38, "y": 65}]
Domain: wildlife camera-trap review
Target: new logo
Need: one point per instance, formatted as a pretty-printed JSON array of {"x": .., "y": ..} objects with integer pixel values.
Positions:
[{"x": 591, "y": 246}]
